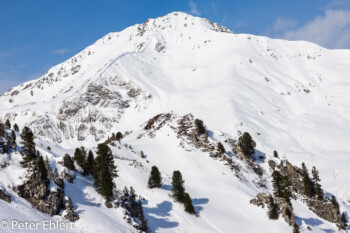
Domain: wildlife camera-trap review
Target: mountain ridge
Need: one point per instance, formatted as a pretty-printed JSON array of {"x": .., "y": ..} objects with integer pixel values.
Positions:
[{"x": 290, "y": 96}]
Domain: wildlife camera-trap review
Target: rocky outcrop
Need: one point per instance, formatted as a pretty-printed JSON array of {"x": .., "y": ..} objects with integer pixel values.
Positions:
[
  {"x": 260, "y": 200},
  {"x": 288, "y": 216},
  {"x": 323, "y": 209},
  {"x": 69, "y": 212},
  {"x": 52, "y": 203},
  {"x": 285, "y": 208},
  {"x": 294, "y": 174},
  {"x": 4, "y": 196},
  {"x": 36, "y": 191}
]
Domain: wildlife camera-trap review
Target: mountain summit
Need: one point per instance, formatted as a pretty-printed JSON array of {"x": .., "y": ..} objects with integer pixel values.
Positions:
[{"x": 291, "y": 96}]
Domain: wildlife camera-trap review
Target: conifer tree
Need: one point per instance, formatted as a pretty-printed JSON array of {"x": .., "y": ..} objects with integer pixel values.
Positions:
[
  {"x": 119, "y": 136},
  {"x": 335, "y": 204},
  {"x": 221, "y": 148},
  {"x": 343, "y": 222},
  {"x": 2, "y": 130},
  {"x": 317, "y": 186},
  {"x": 15, "y": 127},
  {"x": 200, "y": 127},
  {"x": 277, "y": 183},
  {"x": 178, "y": 189},
  {"x": 42, "y": 168},
  {"x": 102, "y": 178},
  {"x": 155, "y": 179},
  {"x": 272, "y": 209},
  {"x": 28, "y": 145},
  {"x": 68, "y": 162},
  {"x": 142, "y": 155},
  {"x": 308, "y": 186},
  {"x": 287, "y": 193},
  {"x": 78, "y": 156},
  {"x": 81, "y": 160},
  {"x": 8, "y": 124},
  {"x": 90, "y": 162},
  {"x": 247, "y": 144},
  {"x": 104, "y": 151},
  {"x": 103, "y": 171},
  {"x": 188, "y": 204},
  {"x": 296, "y": 228},
  {"x": 275, "y": 154},
  {"x": 288, "y": 212},
  {"x": 13, "y": 137}
]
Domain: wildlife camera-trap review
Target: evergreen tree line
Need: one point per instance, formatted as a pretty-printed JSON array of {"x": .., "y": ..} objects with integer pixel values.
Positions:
[{"x": 101, "y": 168}]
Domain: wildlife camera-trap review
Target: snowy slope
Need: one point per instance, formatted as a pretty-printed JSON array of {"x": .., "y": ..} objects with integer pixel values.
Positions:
[{"x": 291, "y": 96}]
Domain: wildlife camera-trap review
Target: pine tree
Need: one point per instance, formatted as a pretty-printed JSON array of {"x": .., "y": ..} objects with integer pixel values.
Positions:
[
  {"x": 296, "y": 228},
  {"x": 343, "y": 222},
  {"x": 155, "y": 179},
  {"x": 142, "y": 155},
  {"x": 28, "y": 145},
  {"x": 104, "y": 151},
  {"x": 286, "y": 193},
  {"x": 90, "y": 162},
  {"x": 277, "y": 183},
  {"x": 275, "y": 154},
  {"x": 221, "y": 148},
  {"x": 102, "y": 178},
  {"x": 288, "y": 212},
  {"x": 335, "y": 204},
  {"x": 68, "y": 162},
  {"x": 308, "y": 186},
  {"x": 247, "y": 144},
  {"x": 200, "y": 127},
  {"x": 178, "y": 189},
  {"x": 103, "y": 171},
  {"x": 2, "y": 130},
  {"x": 15, "y": 127},
  {"x": 119, "y": 136},
  {"x": 142, "y": 218},
  {"x": 317, "y": 186},
  {"x": 80, "y": 159},
  {"x": 272, "y": 209},
  {"x": 8, "y": 124},
  {"x": 42, "y": 168},
  {"x": 188, "y": 204},
  {"x": 13, "y": 137}
]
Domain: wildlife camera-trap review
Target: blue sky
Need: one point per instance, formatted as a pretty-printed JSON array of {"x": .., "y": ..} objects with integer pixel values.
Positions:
[{"x": 38, "y": 34}]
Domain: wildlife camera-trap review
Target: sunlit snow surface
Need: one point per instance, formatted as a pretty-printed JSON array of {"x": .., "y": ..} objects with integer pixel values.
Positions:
[{"x": 292, "y": 97}]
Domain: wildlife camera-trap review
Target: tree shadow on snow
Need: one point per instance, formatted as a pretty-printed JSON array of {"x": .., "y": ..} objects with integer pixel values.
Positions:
[
  {"x": 259, "y": 157},
  {"x": 157, "y": 216},
  {"x": 76, "y": 193},
  {"x": 312, "y": 222},
  {"x": 167, "y": 187},
  {"x": 199, "y": 201}
]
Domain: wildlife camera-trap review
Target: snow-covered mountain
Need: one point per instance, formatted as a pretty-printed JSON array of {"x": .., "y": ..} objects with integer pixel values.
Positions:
[{"x": 291, "y": 96}]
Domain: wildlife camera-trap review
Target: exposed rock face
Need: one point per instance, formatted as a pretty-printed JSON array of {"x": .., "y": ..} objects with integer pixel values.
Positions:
[
  {"x": 323, "y": 209},
  {"x": 272, "y": 164},
  {"x": 294, "y": 176},
  {"x": 262, "y": 199},
  {"x": 70, "y": 214},
  {"x": 52, "y": 203},
  {"x": 4, "y": 196},
  {"x": 35, "y": 190},
  {"x": 283, "y": 206}
]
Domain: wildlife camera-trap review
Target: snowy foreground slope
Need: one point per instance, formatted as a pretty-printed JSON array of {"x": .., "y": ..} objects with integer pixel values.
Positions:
[{"x": 292, "y": 97}]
